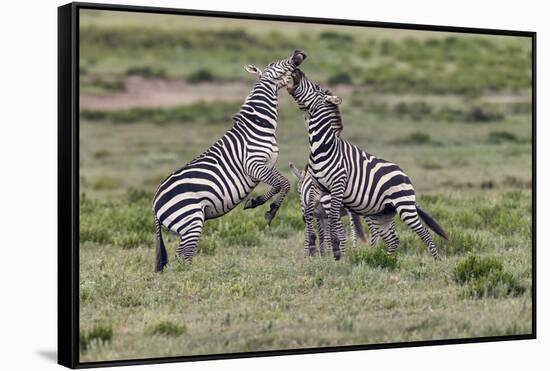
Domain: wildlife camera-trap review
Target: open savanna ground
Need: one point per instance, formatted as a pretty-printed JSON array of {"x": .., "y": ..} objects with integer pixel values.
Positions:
[{"x": 454, "y": 111}]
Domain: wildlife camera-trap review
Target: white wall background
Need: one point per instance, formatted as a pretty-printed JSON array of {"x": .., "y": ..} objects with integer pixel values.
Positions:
[{"x": 28, "y": 181}]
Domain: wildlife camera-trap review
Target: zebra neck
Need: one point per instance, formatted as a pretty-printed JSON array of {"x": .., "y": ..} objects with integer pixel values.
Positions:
[
  {"x": 260, "y": 107},
  {"x": 321, "y": 131}
]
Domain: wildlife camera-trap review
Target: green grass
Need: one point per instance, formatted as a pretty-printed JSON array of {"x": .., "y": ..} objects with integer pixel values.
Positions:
[
  {"x": 435, "y": 63},
  {"x": 450, "y": 110}
]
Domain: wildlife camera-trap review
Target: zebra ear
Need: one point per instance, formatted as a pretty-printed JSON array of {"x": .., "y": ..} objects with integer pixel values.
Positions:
[
  {"x": 253, "y": 70},
  {"x": 333, "y": 99},
  {"x": 294, "y": 170}
]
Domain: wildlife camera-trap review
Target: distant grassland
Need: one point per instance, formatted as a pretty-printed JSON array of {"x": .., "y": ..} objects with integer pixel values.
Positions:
[
  {"x": 433, "y": 63},
  {"x": 454, "y": 111}
]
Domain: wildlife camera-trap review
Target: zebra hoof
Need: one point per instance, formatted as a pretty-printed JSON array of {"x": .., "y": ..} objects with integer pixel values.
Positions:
[
  {"x": 269, "y": 217},
  {"x": 438, "y": 258},
  {"x": 251, "y": 203},
  {"x": 337, "y": 255}
]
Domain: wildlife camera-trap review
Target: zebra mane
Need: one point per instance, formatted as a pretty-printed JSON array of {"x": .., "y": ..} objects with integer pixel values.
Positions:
[{"x": 336, "y": 119}]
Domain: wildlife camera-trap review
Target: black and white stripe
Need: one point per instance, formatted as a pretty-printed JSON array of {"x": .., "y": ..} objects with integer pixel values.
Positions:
[
  {"x": 309, "y": 193},
  {"x": 363, "y": 183},
  {"x": 219, "y": 179}
]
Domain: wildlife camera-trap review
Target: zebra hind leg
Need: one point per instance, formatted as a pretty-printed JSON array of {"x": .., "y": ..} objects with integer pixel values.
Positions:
[
  {"x": 324, "y": 235},
  {"x": 190, "y": 234},
  {"x": 410, "y": 217}
]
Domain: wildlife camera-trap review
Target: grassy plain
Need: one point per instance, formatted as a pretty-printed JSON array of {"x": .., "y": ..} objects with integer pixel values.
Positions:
[{"x": 459, "y": 124}]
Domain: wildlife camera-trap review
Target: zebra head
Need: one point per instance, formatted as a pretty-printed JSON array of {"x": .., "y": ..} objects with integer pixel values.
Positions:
[
  {"x": 309, "y": 95},
  {"x": 277, "y": 73},
  {"x": 315, "y": 101}
]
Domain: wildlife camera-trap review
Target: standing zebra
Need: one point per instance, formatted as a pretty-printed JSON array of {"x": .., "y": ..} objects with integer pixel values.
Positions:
[
  {"x": 364, "y": 184},
  {"x": 219, "y": 179},
  {"x": 309, "y": 193}
]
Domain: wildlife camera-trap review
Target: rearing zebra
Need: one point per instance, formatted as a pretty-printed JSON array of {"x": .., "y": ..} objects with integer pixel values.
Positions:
[
  {"x": 219, "y": 179},
  {"x": 364, "y": 184}
]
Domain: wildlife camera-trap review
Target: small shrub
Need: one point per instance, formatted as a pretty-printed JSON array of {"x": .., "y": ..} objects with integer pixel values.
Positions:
[
  {"x": 201, "y": 75},
  {"x": 417, "y": 138},
  {"x": 496, "y": 284},
  {"x": 146, "y": 71},
  {"x": 101, "y": 154},
  {"x": 415, "y": 110},
  {"x": 340, "y": 78},
  {"x": 336, "y": 36},
  {"x": 374, "y": 257},
  {"x": 498, "y": 137},
  {"x": 100, "y": 334},
  {"x": 480, "y": 114},
  {"x": 486, "y": 277},
  {"x": 431, "y": 165},
  {"x": 475, "y": 267},
  {"x": 167, "y": 328}
]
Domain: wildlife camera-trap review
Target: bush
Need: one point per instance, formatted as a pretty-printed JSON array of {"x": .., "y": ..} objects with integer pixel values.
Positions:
[
  {"x": 100, "y": 334},
  {"x": 415, "y": 110},
  {"x": 480, "y": 114},
  {"x": 416, "y": 138},
  {"x": 498, "y": 137},
  {"x": 486, "y": 277},
  {"x": 496, "y": 284},
  {"x": 374, "y": 257},
  {"x": 146, "y": 71},
  {"x": 475, "y": 267},
  {"x": 201, "y": 75},
  {"x": 167, "y": 328},
  {"x": 340, "y": 78}
]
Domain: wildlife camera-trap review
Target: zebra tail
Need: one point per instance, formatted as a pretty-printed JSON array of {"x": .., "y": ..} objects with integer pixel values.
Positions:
[
  {"x": 162, "y": 256},
  {"x": 432, "y": 223},
  {"x": 358, "y": 226}
]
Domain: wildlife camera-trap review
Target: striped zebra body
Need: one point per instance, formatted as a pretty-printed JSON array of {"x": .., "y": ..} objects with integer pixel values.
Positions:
[
  {"x": 366, "y": 185},
  {"x": 224, "y": 175},
  {"x": 310, "y": 193}
]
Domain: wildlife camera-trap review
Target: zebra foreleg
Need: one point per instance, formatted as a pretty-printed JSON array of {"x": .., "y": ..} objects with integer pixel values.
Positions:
[
  {"x": 279, "y": 185},
  {"x": 190, "y": 233}
]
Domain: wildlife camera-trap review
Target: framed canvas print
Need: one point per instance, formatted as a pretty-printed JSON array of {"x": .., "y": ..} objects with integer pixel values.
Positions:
[{"x": 238, "y": 185}]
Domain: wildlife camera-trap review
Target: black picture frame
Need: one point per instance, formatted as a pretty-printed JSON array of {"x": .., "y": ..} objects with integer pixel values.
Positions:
[{"x": 68, "y": 184}]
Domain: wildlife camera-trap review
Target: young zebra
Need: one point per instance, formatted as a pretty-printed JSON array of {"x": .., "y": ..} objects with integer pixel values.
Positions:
[
  {"x": 364, "y": 184},
  {"x": 309, "y": 193},
  {"x": 219, "y": 179}
]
